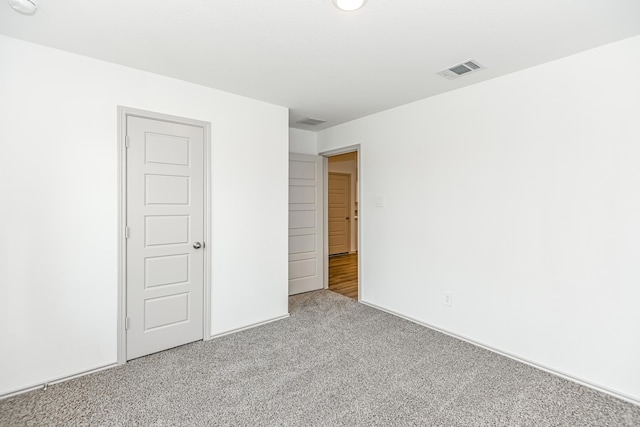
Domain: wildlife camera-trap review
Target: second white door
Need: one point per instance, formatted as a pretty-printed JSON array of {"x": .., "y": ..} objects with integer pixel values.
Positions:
[
  {"x": 165, "y": 225},
  {"x": 306, "y": 267}
]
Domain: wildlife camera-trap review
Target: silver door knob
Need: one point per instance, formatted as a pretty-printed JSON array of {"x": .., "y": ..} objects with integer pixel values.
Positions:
[{"x": 197, "y": 245}]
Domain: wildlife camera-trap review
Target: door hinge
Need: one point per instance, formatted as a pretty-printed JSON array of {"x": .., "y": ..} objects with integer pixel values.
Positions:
[
  {"x": 126, "y": 323},
  {"x": 126, "y": 232},
  {"x": 126, "y": 141}
]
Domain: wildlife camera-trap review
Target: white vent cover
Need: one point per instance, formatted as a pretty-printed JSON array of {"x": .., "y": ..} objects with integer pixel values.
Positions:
[
  {"x": 311, "y": 121},
  {"x": 461, "y": 69}
]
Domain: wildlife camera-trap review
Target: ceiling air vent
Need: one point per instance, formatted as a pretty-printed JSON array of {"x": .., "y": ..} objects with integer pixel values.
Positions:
[
  {"x": 461, "y": 69},
  {"x": 311, "y": 121}
]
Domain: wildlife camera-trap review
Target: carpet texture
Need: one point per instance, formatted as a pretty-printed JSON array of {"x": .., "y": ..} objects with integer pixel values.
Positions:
[{"x": 334, "y": 362}]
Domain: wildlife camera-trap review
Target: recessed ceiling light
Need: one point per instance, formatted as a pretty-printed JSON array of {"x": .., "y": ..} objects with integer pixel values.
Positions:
[
  {"x": 26, "y": 7},
  {"x": 349, "y": 5}
]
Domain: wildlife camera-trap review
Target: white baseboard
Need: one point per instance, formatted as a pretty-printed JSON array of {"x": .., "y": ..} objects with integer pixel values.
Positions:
[
  {"x": 244, "y": 328},
  {"x": 56, "y": 380},
  {"x": 536, "y": 365}
]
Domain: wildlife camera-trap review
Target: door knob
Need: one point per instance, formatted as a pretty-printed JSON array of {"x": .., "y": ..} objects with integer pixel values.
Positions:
[{"x": 197, "y": 245}]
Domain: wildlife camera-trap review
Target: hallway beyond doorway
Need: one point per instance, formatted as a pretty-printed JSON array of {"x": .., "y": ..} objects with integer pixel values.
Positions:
[{"x": 343, "y": 275}]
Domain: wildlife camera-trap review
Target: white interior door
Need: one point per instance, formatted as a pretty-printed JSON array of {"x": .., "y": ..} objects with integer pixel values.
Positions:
[
  {"x": 165, "y": 227},
  {"x": 306, "y": 268},
  {"x": 339, "y": 207}
]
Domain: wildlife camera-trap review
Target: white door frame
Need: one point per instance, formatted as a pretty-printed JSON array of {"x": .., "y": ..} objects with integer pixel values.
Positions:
[
  {"x": 123, "y": 113},
  {"x": 326, "y": 154}
]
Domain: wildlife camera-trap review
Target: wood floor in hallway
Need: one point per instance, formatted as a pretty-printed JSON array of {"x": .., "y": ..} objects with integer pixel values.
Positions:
[{"x": 343, "y": 275}]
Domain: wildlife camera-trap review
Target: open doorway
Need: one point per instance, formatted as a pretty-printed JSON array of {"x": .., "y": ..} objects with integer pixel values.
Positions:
[{"x": 342, "y": 223}]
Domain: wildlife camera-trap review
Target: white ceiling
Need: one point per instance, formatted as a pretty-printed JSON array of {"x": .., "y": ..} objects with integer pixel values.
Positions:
[{"x": 316, "y": 60}]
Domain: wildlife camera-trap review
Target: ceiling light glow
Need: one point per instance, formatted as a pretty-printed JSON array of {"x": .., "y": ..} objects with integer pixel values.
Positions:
[
  {"x": 26, "y": 7},
  {"x": 349, "y": 5}
]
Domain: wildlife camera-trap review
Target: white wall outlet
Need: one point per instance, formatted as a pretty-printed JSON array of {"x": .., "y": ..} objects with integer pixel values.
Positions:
[
  {"x": 379, "y": 201},
  {"x": 448, "y": 299}
]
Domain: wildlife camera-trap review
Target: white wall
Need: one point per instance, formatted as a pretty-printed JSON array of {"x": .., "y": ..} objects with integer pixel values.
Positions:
[
  {"x": 348, "y": 163},
  {"x": 303, "y": 141},
  {"x": 58, "y": 217},
  {"x": 521, "y": 196}
]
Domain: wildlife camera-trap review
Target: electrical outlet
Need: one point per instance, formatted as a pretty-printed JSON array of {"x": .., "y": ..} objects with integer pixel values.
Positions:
[
  {"x": 379, "y": 201},
  {"x": 448, "y": 299}
]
